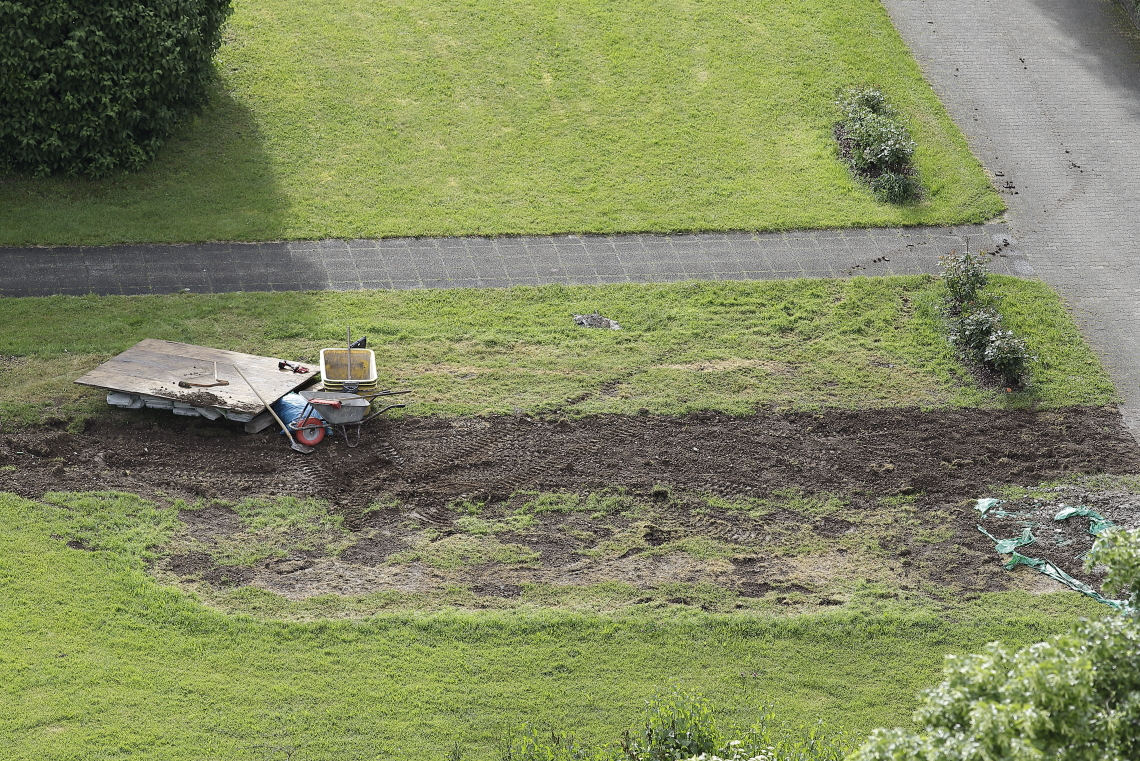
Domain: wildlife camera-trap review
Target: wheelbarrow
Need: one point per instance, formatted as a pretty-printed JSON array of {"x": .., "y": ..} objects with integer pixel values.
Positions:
[{"x": 339, "y": 410}]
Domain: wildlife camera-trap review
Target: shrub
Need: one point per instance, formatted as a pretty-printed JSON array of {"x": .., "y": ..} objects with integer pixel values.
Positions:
[
  {"x": 893, "y": 187},
  {"x": 678, "y": 727},
  {"x": 965, "y": 276},
  {"x": 770, "y": 739},
  {"x": 858, "y": 101},
  {"x": 681, "y": 728},
  {"x": 877, "y": 145},
  {"x": 975, "y": 328},
  {"x": 738, "y": 754},
  {"x": 881, "y": 143},
  {"x": 94, "y": 86},
  {"x": 1007, "y": 355},
  {"x": 530, "y": 745},
  {"x": 971, "y": 331},
  {"x": 1118, "y": 549}
]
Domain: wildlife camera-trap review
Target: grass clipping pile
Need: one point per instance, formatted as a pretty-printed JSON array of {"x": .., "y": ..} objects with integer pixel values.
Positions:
[{"x": 766, "y": 512}]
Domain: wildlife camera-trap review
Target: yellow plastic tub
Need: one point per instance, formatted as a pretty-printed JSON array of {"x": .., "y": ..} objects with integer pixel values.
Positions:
[{"x": 334, "y": 370}]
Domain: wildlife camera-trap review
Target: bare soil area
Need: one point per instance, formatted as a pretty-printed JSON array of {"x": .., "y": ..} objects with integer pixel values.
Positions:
[{"x": 786, "y": 509}]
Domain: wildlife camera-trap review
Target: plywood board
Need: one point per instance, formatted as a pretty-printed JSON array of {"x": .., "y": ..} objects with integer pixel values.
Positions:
[{"x": 155, "y": 367}]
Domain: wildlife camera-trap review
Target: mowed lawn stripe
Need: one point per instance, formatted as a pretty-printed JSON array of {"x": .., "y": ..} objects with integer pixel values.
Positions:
[
  {"x": 356, "y": 118},
  {"x": 730, "y": 346}
]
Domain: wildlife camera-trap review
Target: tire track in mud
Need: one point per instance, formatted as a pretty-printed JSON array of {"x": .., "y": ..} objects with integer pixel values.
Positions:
[
  {"x": 503, "y": 462},
  {"x": 481, "y": 461},
  {"x": 307, "y": 475},
  {"x": 432, "y": 462},
  {"x": 428, "y": 461}
]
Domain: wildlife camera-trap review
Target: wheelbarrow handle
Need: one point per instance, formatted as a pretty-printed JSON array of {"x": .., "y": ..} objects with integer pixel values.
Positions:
[{"x": 381, "y": 412}]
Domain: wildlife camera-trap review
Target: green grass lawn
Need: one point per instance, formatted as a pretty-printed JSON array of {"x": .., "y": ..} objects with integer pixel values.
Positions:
[
  {"x": 356, "y": 118},
  {"x": 97, "y": 661},
  {"x": 735, "y": 347}
]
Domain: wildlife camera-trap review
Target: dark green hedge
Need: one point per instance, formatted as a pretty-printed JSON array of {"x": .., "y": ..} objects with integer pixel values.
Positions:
[{"x": 94, "y": 86}]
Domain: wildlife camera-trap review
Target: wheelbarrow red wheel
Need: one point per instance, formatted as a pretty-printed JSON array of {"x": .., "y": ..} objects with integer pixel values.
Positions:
[{"x": 311, "y": 432}]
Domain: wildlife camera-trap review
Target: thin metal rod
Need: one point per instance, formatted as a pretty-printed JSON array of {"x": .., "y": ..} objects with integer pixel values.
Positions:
[{"x": 293, "y": 443}]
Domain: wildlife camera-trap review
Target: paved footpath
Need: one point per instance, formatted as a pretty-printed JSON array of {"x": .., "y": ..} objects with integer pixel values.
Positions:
[
  {"x": 1048, "y": 94},
  {"x": 494, "y": 262}
]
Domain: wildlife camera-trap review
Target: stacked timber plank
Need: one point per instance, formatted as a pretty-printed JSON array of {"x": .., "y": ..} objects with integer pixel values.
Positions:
[{"x": 148, "y": 375}]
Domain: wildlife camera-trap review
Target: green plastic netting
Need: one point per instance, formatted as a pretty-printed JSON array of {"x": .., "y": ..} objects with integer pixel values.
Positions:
[{"x": 1098, "y": 524}]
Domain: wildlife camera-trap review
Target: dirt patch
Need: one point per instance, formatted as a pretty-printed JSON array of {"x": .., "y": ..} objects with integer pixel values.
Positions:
[
  {"x": 374, "y": 549},
  {"x": 289, "y": 565},
  {"x": 497, "y": 590},
  {"x": 833, "y": 527},
  {"x": 210, "y": 521},
  {"x": 190, "y": 563},
  {"x": 226, "y": 577},
  {"x": 789, "y": 509}
]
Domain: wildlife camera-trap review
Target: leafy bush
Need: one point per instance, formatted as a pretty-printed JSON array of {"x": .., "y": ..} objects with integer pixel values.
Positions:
[
  {"x": 1007, "y": 355},
  {"x": 964, "y": 276},
  {"x": 1075, "y": 697},
  {"x": 772, "y": 739},
  {"x": 881, "y": 143},
  {"x": 858, "y": 101},
  {"x": 681, "y": 728},
  {"x": 678, "y": 727},
  {"x": 530, "y": 745},
  {"x": 1118, "y": 549},
  {"x": 975, "y": 327},
  {"x": 94, "y": 86},
  {"x": 894, "y": 187},
  {"x": 877, "y": 145},
  {"x": 738, "y": 754},
  {"x": 971, "y": 331}
]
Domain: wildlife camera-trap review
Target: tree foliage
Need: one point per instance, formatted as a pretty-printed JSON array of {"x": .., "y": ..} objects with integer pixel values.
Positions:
[
  {"x": 94, "y": 86},
  {"x": 1119, "y": 552},
  {"x": 1075, "y": 697}
]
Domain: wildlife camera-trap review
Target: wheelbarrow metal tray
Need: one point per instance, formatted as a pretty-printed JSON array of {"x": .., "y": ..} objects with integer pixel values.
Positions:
[{"x": 353, "y": 407}]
